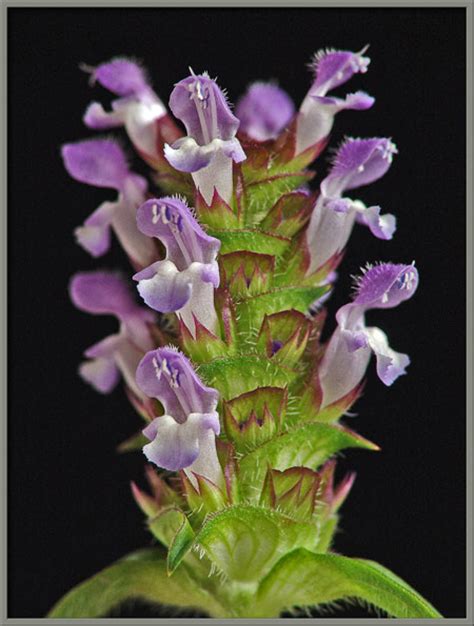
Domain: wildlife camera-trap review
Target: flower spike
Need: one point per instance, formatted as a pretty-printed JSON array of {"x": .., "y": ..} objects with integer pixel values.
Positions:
[
  {"x": 211, "y": 146},
  {"x": 185, "y": 280},
  {"x": 332, "y": 68},
  {"x": 184, "y": 437},
  {"x": 348, "y": 352},
  {"x": 106, "y": 293},
  {"x": 264, "y": 111},
  {"x": 102, "y": 163},
  {"x": 242, "y": 283}
]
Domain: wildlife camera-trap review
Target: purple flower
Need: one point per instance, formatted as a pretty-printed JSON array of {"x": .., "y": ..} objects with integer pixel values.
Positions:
[
  {"x": 185, "y": 280},
  {"x": 211, "y": 146},
  {"x": 347, "y": 355},
  {"x": 264, "y": 111},
  {"x": 138, "y": 108},
  {"x": 102, "y": 163},
  {"x": 106, "y": 293},
  {"x": 184, "y": 437},
  {"x": 331, "y": 68},
  {"x": 358, "y": 162}
]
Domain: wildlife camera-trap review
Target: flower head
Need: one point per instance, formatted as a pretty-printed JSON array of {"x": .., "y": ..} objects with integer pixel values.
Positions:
[
  {"x": 185, "y": 280},
  {"x": 211, "y": 146},
  {"x": 138, "y": 109},
  {"x": 264, "y": 111},
  {"x": 102, "y": 163},
  {"x": 332, "y": 68},
  {"x": 184, "y": 437},
  {"x": 348, "y": 353},
  {"x": 358, "y": 162},
  {"x": 106, "y": 293}
]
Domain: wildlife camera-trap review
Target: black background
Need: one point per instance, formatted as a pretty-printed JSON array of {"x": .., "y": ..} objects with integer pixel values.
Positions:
[{"x": 70, "y": 509}]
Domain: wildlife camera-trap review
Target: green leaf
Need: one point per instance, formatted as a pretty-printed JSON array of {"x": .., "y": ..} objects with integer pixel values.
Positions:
[
  {"x": 166, "y": 525},
  {"x": 141, "y": 574},
  {"x": 302, "y": 578},
  {"x": 251, "y": 240},
  {"x": 308, "y": 446},
  {"x": 181, "y": 544},
  {"x": 245, "y": 541},
  {"x": 251, "y": 311},
  {"x": 234, "y": 376}
]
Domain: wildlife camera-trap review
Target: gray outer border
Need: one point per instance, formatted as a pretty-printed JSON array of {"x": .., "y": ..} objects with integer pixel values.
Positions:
[{"x": 468, "y": 5}]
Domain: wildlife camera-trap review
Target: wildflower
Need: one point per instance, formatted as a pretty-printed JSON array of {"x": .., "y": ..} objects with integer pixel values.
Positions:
[
  {"x": 185, "y": 280},
  {"x": 347, "y": 355},
  {"x": 102, "y": 163},
  {"x": 211, "y": 146},
  {"x": 358, "y": 162},
  {"x": 264, "y": 111},
  {"x": 106, "y": 293},
  {"x": 316, "y": 116},
  {"x": 138, "y": 108},
  {"x": 184, "y": 437}
]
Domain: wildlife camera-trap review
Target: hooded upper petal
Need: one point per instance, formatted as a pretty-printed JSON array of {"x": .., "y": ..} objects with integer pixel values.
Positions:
[
  {"x": 358, "y": 162},
  {"x": 122, "y": 77},
  {"x": 97, "y": 162},
  {"x": 386, "y": 285},
  {"x": 335, "y": 67},
  {"x": 172, "y": 222},
  {"x": 101, "y": 292},
  {"x": 202, "y": 107},
  {"x": 167, "y": 375},
  {"x": 264, "y": 111}
]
